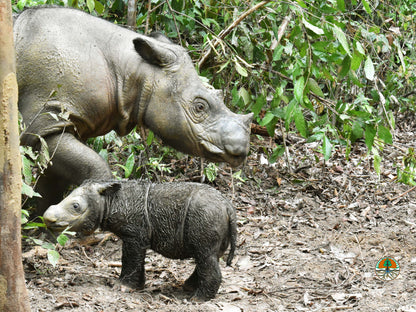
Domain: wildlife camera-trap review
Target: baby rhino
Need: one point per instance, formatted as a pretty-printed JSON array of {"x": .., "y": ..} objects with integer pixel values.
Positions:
[{"x": 177, "y": 220}]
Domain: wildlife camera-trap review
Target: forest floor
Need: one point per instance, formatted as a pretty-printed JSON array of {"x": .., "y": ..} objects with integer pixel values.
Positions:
[{"x": 309, "y": 240}]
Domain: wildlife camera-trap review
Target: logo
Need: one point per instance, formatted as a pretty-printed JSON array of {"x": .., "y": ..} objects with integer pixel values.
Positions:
[{"x": 387, "y": 269}]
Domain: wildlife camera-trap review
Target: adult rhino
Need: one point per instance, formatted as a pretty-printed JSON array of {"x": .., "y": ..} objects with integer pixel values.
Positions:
[{"x": 105, "y": 77}]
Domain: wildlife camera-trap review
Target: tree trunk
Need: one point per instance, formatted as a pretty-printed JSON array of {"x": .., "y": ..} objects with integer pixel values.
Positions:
[
  {"x": 131, "y": 13},
  {"x": 13, "y": 293}
]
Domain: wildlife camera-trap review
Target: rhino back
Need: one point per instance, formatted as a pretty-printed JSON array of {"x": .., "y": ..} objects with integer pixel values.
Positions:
[
  {"x": 186, "y": 216},
  {"x": 79, "y": 57}
]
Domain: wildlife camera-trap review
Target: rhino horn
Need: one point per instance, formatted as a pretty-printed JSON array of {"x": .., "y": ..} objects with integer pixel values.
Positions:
[{"x": 154, "y": 51}]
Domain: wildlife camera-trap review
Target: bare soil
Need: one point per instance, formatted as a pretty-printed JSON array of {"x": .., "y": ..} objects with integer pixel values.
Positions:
[{"x": 310, "y": 236}]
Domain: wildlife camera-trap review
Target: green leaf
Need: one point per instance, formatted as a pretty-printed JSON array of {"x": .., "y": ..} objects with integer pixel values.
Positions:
[
  {"x": 360, "y": 48},
  {"x": 314, "y": 87},
  {"x": 326, "y": 148},
  {"x": 241, "y": 70},
  {"x": 277, "y": 152},
  {"x": 312, "y": 28},
  {"x": 369, "y": 134},
  {"x": 28, "y": 191},
  {"x": 300, "y": 122},
  {"x": 339, "y": 34},
  {"x": 129, "y": 166},
  {"x": 356, "y": 131},
  {"x": 376, "y": 161},
  {"x": 210, "y": 172},
  {"x": 341, "y": 5},
  {"x": 345, "y": 67},
  {"x": 385, "y": 134},
  {"x": 369, "y": 68},
  {"x": 62, "y": 239},
  {"x": 267, "y": 119},
  {"x": 301, "y": 4},
  {"x": 356, "y": 60},
  {"x": 366, "y": 7},
  {"x": 24, "y": 216},
  {"x": 27, "y": 169},
  {"x": 44, "y": 152},
  {"x": 150, "y": 137},
  {"x": 33, "y": 225},
  {"x": 245, "y": 95},
  {"x": 289, "y": 112},
  {"x": 260, "y": 102},
  {"x": 99, "y": 7},
  {"x": 53, "y": 257},
  {"x": 299, "y": 88},
  {"x": 91, "y": 5}
]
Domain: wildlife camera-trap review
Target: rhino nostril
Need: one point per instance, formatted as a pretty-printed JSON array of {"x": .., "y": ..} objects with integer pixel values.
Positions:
[{"x": 49, "y": 217}]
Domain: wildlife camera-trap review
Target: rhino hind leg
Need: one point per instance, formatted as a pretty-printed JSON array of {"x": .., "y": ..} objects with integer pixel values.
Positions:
[
  {"x": 192, "y": 282},
  {"x": 208, "y": 277},
  {"x": 72, "y": 163}
]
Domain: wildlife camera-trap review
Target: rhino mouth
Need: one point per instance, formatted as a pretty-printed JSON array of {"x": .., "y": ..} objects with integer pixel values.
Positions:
[
  {"x": 57, "y": 226},
  {"x": 215, "y": 153}
]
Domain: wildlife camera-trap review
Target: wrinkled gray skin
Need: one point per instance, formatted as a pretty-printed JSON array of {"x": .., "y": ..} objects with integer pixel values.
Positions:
[
  {"x": 177, "y": 220},
  {"x": 104, "y": 77}
]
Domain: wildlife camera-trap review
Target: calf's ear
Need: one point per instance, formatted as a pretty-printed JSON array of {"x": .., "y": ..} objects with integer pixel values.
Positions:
[{"x": 109, "y": 188}]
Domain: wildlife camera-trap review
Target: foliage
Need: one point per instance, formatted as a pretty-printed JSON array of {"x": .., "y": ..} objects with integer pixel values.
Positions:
[
  {"x": 407, "y": 173},
  {"x": 211, "y": 172},
  {"x": 335, "y": 73}
]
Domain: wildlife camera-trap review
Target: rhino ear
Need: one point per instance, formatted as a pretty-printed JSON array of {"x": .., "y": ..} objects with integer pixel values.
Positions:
[
  {"x": 154, "y": 52},
  {"x": 159, "y": 36},
  {"x": 109, "y": 188}
]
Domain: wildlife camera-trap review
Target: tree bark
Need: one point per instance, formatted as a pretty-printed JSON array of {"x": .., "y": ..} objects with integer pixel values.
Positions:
[
  {"x": 13, "y": 293},
  {"x": 131, "y": 13}
]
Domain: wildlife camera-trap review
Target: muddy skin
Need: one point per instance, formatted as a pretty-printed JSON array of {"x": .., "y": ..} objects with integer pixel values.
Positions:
[{"x": 177, "y": 220}]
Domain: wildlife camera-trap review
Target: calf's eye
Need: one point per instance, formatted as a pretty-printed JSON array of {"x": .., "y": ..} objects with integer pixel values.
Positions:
[{"x": 76, "y": 206}]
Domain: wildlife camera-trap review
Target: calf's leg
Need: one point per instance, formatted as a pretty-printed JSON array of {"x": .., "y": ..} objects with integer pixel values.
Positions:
[{"x": 209, "y": 277}]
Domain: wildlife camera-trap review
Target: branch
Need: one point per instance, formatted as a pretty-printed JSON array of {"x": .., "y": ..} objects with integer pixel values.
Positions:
[
  {"x": 149, "y": 9},
  {"x": 225, "y": 32},
  {"x": 174, "y": 21}
]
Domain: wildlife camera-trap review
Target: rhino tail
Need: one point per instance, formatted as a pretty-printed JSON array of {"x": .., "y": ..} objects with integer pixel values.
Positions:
[{"x": 232, "y": 228}]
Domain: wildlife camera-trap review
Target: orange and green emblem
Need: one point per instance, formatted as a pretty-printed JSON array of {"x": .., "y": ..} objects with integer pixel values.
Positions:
[{"x": 387, "y": 269}]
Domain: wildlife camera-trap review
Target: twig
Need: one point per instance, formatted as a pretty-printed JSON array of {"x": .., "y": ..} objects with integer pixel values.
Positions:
[
  {"x": 85, "y": 255},
  {"x": 285, "y": 147},
  {"x": 202, "y": 171},
  {"x": 225, "y": 32},
  {"x": 149, "y": 5},
  {"x": 402, "y": 194},
  {"x": 232, "y": 183},
  {"x": 282, "y": 28},
  {"x": 131, "y": 13},
  {"x": 174, "y": 21}
]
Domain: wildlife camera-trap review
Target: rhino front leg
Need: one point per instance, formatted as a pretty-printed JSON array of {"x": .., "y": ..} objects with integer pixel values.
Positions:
[
  {"x": 132, "y": 265},
  {"x": 72, "y": 163},
  {"x": 208, "y": 276}
]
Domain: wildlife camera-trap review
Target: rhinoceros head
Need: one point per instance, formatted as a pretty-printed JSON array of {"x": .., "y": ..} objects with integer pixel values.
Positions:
[
  {"x": 81, "y": 211},
  {"x": 186, "y": 113}
]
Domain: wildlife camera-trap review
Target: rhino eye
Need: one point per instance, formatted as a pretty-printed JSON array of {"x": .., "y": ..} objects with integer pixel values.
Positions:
[
  {"x": 199, "y": 110},
  {"x": 76, "y": 206},
  {"x": 199, "y": 107}
]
